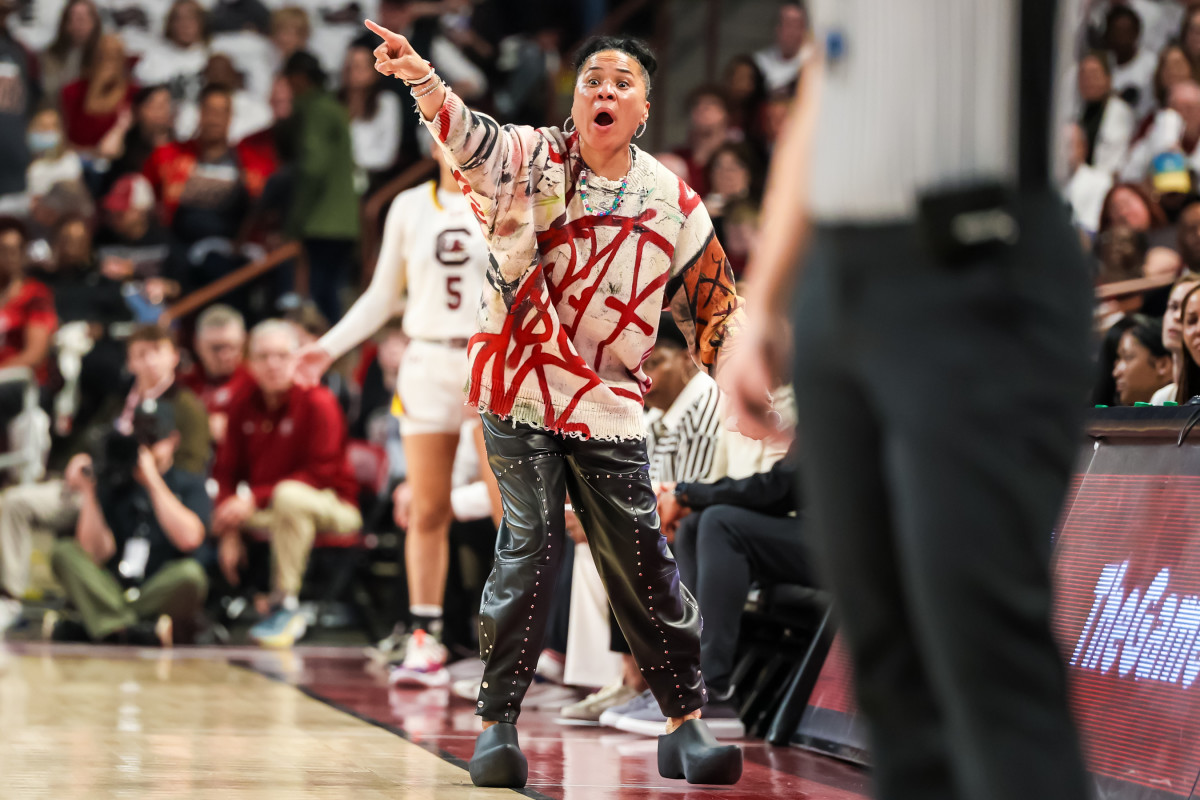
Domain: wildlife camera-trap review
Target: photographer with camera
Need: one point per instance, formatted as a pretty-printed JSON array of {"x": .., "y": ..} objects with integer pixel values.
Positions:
[
  {"x": 151, "y": 362},
  {"x": 128, "y": 571}
]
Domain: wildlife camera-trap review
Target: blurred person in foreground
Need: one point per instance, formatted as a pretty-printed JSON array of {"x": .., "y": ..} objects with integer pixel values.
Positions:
[
  {"x": 287, "y": 445},
  {"x": 129, "y": 571},
  {"x": 562, "y": 411},
  {"x": 931, "y": 510}
]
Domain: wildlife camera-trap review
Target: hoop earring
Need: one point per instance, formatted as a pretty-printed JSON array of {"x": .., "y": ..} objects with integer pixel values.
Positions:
[
  {"x": 640, "y": 130},
  {"x": 568, "y": 126}
]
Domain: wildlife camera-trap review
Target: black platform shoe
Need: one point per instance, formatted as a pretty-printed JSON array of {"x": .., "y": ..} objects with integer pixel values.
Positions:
[
  {"x": 498, "y": 760},
  {"x": 691, "y": 752}
]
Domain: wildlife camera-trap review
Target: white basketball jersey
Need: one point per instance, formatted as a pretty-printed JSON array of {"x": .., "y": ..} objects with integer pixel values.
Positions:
[{"x": 444, "y": 261}]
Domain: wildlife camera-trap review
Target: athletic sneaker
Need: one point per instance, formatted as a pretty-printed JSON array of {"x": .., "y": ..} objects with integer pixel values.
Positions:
[
  {"x": 551, "y": 666},
  {"x": 10, "y": 613},
  {"x": 424, "y": 663},
  {"x": 549, "y": 697},
  {"x": 280, "y": 630},
  {"x": 722, "y": 721},
  {"x": 588, "y": 710},
  {"x": 610, "y": 716}
]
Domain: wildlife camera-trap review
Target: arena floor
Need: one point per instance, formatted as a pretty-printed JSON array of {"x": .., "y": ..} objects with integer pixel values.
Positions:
[{"x": 314, "y": 723}]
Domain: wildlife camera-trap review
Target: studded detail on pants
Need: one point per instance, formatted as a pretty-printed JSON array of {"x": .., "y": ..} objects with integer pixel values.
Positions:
[{"x": 610, "y": 492}]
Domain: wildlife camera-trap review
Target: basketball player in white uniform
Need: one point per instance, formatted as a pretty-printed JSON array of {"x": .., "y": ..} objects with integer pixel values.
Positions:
[{"x": 431, "y": 264}]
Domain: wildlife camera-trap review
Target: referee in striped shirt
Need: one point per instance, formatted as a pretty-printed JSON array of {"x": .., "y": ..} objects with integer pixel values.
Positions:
[{"x": 941, "y": 369}]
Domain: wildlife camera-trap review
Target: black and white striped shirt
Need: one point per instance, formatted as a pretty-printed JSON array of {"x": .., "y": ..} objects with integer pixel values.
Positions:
[
  {"x": 682, "y": 443},
  {"x": 924, "y": 93}
]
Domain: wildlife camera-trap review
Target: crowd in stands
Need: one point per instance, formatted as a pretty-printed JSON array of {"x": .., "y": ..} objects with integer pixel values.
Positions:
[{"x": 150, "y": 148}]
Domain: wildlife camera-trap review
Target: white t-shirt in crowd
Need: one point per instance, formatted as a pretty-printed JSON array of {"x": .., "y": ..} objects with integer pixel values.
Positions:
[
  {"x": 140, "y": 22},
  {"x": 376, "y": 141},
  {"x": 44, "y": 173},
  {"x": 1137, "y": 74},
  {"x": 180, "y": 69},
  {"x": 253, "y": 56},
  {"x": 1165, "y": 395},
  {"x": 778, "y": 71}
]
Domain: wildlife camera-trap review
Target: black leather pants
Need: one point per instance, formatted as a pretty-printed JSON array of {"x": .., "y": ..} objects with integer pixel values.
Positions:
[{"x": 610, "y": 491}]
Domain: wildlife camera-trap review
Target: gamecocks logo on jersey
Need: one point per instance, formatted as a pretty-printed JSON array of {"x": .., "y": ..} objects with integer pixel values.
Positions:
[{"x": 452, "y": 247}]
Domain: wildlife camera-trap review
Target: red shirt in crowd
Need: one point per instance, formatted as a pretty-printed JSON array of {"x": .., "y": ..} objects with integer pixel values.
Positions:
[
  {"x": 84, "y": 129},
  {"x": 32, "y": 305},
  {"x": 302, "y": 440},
  {"x": 171, "y": 165},
  {"x": 217, "y": 395}
]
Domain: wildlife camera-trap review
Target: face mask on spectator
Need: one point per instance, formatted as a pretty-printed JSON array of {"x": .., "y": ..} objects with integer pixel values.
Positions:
[{"x": 44, "y": 141}]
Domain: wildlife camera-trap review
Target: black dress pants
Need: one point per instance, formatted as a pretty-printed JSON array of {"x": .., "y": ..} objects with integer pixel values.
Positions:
[
  {"x": 940, "y": 411},
  {"x": 721, "y": 550},
  {"x": 610, "y": 491}
]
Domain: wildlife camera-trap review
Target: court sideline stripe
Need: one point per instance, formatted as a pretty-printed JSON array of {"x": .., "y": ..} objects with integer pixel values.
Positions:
[{"x": 392, "y": 729}]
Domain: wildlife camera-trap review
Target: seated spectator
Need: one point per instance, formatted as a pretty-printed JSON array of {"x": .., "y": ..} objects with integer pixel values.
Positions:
[
  {"x": 324, "y": 208},
  {"x": 150, "y": 128},
  {"x": 177, "y": 60},
  {"x": 1189, "y": 236},
  {"x": 1189, "y": 372},
  {"x": 311, "y": 325},
  {"x": 1130, "y": 205},
  {"x": 746, "y": 89},
  {"x": 1087, "y": 188},
  {"x": 203, "y": 191},
  {"x": 290, "y": 32},
  {"x": 250, "y": 114},
  {"x": 53, "y": 161},
  {"x": 374, "y": 115},
  {"x": 82, "y": 292},
  {"x": 1173, "y": 69},
  {"x": 27, "y": 319},
  {"x": 735, "y": 179},
  {"x": 708, "y": 129},
  {"x": 1107, "y": 120},
  {"x": 1143, "y": 364},
  {"x": 774, "y": 114},
  {"x": 729, "y": 534},
  {"x": 1172, "y": 336},
  {"x": 78, "y": 29},
  {"x": 1160, "y": 22},
  {"x": 219, "y": 376},
  {"x": 140, "y": 519},
  {"x": 93, "y": 104},
  {"x": 1132, "y": 66},
  {"x": 377, "y": 396},
  {"x": 780, "y": 63},
  {"x": 288, "y": 445},
  {"x": 1175, "y": 129},
  {"x": 131, "y": 234},
  {"x": 151, "y": 359},
  {"x": 1122, "y": 254}
]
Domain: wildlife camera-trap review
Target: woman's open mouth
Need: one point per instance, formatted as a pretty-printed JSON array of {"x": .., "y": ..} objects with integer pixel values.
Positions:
[{"x": 604, "y": 119}]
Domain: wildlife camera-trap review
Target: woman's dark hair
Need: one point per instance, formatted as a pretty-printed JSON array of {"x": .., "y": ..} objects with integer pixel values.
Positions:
[
  {"x": 1158, "y": 217},
  {"x": 747, "y": 111},
  {"x": 1148, "y": 332},
  {"x": 750, "y": 160},
  {"x": 1189, "y": 371},
  {"x": 305, "y": 64},
  {"x": 371, "y": 107},
  {"x": 62, "y": 42},
  {"x": 629, "y": 45}
]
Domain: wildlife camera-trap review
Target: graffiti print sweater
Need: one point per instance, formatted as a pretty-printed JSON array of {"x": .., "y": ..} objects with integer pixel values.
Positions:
[{"x": 571, "y": 307}]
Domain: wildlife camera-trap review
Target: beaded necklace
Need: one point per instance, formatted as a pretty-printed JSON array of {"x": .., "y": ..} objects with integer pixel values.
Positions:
[{"x": 583, "y": 192}]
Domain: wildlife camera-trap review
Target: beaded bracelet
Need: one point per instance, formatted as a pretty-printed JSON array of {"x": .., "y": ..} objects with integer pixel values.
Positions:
[
  {"x": 429, "y": 91},
  {"x": 428, "y": 76},
  {"x": 417, "y": 105}
]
